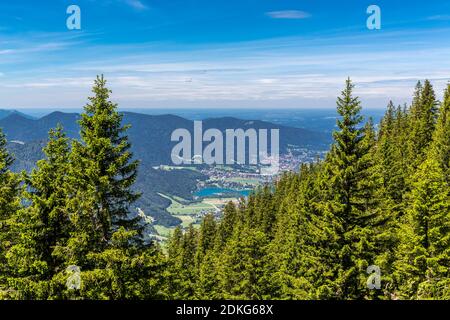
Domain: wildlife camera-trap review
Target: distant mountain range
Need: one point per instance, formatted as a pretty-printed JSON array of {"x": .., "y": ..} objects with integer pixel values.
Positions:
[
  {"x": 7, "y": 113},
  {"x": 150, "y": 137}
]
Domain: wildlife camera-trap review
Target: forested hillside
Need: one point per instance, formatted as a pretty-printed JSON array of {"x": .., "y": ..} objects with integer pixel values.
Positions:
[
  {"x": 380, "y": 198},
  {"x": 150, "y": 135},
  {"x": 150, "y": 138},
  {"x": 150, "y": 182}
]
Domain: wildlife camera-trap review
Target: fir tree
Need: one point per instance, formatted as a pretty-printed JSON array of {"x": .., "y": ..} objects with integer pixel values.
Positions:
[
  {"x": 349, "y": 209},
  {"x": 242, "y": 269},
  {"x": 226, "y": 225},
  {"x": 101, "y": 177},
  {"x": 422, "y": 121},
  {"x": 105, "y": 241},
  {"x": 10, "y": 204},
  {"x": 44, "y": 225},
  {"x": 440, "y": 150},
  {"x": 424, "y": 254},
  {"x": 207, "y": 236}
]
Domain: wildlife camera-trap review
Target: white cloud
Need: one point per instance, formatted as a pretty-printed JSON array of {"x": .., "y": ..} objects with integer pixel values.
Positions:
[
  {"x": 288, "y": 14},
  {"x": 267, "y": 81},
  {"x": 440, "y": 17},
  {"x": 136, "y": 4},
  {"x": 274, "y": 72}
]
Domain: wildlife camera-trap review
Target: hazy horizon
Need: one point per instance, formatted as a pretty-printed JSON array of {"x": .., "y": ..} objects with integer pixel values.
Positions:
[{"x": 312, "y": 119}]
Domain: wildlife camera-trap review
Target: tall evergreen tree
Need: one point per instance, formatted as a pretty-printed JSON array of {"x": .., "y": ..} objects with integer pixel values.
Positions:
[
  {"x": 440, "y": 150},
  {"x": 206, "y": 240},
  {"x": 101, "y": 176},
  {"x": 44, "y": 225},
  {"x": 349, "y": 208},
  {"x": 242, "y": 268},
  {"x": 294, "y": 252},
  {"x": 174, "y": 256},
  {"x": 226, "y": 225},
  {"x": 422, "y": 121},
  {"x": 187, "y": 270},
  {"x": 424, "y": 253},
  {"x": 105, "y": 241},
  {"x": 10, "y": 203}
]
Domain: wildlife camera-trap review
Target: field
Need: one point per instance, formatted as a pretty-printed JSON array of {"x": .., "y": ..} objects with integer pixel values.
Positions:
[
  {"x": 178, "y": 208},
  {"x": 163, "y": 231},
  {"x": 190, "y": 213},
  {"x": 219, "y": 201},
  {"x": 245, "y": 181}
]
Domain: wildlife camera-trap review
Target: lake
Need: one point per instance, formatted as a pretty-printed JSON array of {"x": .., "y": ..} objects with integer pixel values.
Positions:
[{"x": 221, "y": 192}]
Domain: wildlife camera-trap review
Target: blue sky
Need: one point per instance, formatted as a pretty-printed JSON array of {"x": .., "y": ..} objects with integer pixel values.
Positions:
[{"x": 220, "y": 54}]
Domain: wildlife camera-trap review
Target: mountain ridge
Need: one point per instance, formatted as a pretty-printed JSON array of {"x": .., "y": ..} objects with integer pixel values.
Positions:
[
  {"x": 151, "y": 144},
  {"x": 150, "y": 135},
  {"x": 4, "y": 113}
]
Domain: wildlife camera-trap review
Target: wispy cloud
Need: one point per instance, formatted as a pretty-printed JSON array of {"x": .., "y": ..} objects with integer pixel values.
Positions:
[
  {"x": 288, "y": 14},
  {"x": 136, "y": 4},
  {"x": 440, "y": 17},
  {"x": 289, "y": 72}
]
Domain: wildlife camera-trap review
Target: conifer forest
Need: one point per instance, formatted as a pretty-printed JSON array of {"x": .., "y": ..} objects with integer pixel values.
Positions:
[{"x": 380, "y": 198}]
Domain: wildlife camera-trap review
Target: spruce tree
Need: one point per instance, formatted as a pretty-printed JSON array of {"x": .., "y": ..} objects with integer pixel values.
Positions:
[
  {"x": 422, "y": 121},
  {"x": 440, "y": 149},
  {"x": 226, "y": 225},
  {"x": 106, "y": 241},
  {"x": 44, "y": 225},
  {"x": 125, "y": 270},
  {"x": 208, "y": 285},
  {"x": 349, "y": 208},
  {"x": 294, "y": 252},
  {"x": 182, "y": 272},
  {"x": 187, "y": 271},
  {"x": 206, "y": 238},
  {"x": 386, "y": 149},
  {"x": 174, "y": 257},
  {"x": 101, "y": 176},
  {"x": 424, "y": 254},
  {"x": 10, "y": 204},
  {"x": 242, "y": 269}
]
